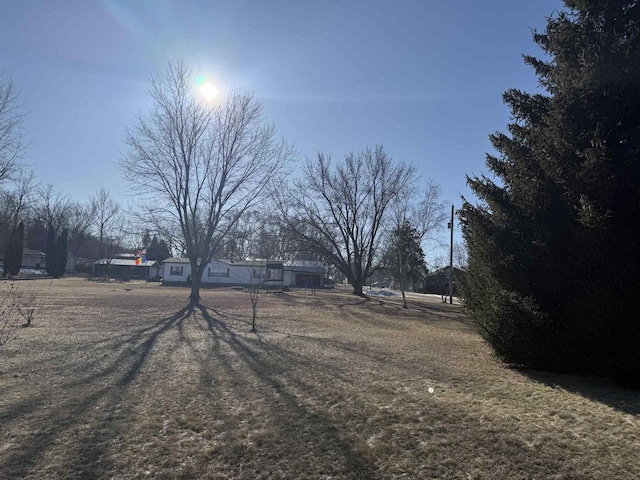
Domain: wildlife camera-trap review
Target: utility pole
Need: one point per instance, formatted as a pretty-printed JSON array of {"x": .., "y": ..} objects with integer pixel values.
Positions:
[{"x": 450, "y": 226}]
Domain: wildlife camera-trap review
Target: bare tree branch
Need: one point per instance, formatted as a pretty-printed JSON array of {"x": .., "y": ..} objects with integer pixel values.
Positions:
[
  {"x": 427, "y": 214},
  {"x": 104, "y": 210},
  {"x": 52, "y": 208},
  {"x": 12, "y": 135}
]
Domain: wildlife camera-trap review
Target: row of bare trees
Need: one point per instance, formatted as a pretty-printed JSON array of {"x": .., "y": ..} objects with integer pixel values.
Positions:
[
  {"x": 96, "y": 228},
  {"x": 215, "y": 178}
]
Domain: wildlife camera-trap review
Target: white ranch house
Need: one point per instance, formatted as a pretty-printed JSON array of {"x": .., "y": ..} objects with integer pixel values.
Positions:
[{"x": 177, "y": 271}]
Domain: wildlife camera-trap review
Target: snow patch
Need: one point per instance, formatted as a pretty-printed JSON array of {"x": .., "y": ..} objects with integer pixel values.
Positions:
[
  {"x": 32, "y": 271},
  {"x": 382, "y": 292}
]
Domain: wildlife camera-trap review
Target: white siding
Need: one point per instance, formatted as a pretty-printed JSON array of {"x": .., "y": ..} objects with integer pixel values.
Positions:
[
  {"x": 241, "y": 274},
  {"x": 167, "y": 275},
  {"x": 220, "y": 272}
]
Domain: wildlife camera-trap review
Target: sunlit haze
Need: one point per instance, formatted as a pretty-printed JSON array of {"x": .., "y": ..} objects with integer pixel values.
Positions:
[{"x": 423, "y": 78}]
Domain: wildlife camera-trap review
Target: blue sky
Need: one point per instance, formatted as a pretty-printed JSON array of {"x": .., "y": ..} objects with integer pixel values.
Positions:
[{"x": 423, "y": 78}]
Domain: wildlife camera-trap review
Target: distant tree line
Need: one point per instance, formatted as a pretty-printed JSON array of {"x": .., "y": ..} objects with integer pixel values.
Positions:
[
  {"x": 37, "y": 217},
  {"x": 40, "y": 210},
  {"x": 31, "y": 213}
]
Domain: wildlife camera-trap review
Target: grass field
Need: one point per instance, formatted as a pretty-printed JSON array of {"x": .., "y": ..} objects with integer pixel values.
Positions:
[{"x": 123, "y": 380}]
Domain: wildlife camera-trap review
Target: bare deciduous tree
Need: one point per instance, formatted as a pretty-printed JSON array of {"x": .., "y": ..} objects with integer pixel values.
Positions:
[
  {"x": 460, "y": 256},
  {"x": 28, "y": 302},
  {"x": 19, "y": 197},
  {"x": 52, "y": 208},
  {"x": 256, "y": 282},
  {"x": 12, "y": 136},
  {"x": 15, "y": 204},
  {"x": 341, "y": 212},
  {"x": 104, "y": 210},
  {"x": 79, "y": 220},
  {"x": 15, "y": 303},
  {"x": 426, "y": 213},
  {"x": 119, "y": 235},
  {"x": 202, "y": 165}
]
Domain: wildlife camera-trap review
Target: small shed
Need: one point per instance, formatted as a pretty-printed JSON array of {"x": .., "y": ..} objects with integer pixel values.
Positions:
[
  {"x": 125, "y": 269},
  {"x": 32, "y": 258},
  {"x": 72, "y": 262},
  {"x": 438, "y": 282}
]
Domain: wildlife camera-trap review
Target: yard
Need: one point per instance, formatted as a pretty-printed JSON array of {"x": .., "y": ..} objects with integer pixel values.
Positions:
[{"x": 123, "y": 380}]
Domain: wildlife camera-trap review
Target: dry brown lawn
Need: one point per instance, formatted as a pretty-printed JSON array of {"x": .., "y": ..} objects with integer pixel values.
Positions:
[{"x": 124, "y": 380}]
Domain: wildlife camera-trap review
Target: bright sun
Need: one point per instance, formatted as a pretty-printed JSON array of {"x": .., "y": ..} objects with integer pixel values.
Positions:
[{"x": 208, "y": 91}]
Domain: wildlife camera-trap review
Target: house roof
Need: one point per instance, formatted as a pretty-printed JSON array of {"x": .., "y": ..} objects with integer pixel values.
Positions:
[
  {"x": 310, "y": 266},
  {"x": 446, "y": 271},
  {"x": 298, "y": 265},
  {"x": 240, "y": 263},
  {"x": 303, "y": 263},
  {"x": 28, "y": 251},
  {"x": 124, "y": 262},
  {"x": 246, "y": 263},
  {"x": 176, "y": 260}
]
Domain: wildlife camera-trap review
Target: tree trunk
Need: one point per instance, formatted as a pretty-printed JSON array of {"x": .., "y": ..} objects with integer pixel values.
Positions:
[
  {"x": 195, "y": 285},
  {"x": 403, "y": 286},
  {"x": 404, "y": 298},
  {"x": 357, "y": 288}
]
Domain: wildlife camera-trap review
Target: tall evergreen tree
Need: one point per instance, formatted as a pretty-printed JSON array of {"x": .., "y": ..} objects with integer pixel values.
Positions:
[
  {"x": 51, "y": 251},
  {"x": 8, "y": 253},
  {"x": 157, "y": 250},
  {"x": 62, "y": 253},
  {"x": 404, "y": 257},
  {"x": 13, "y": 252},
  {"x": 554, "y": 274},
  {"x": 146, "y": 239}
]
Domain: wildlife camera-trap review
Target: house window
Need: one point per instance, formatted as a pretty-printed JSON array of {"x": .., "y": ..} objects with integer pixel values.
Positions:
[
  {"x": 176, "y": 271},
  {"x": 212, "y": 273},
  {"x": 273, "y": 274},
  {"x": 256, "y": 273}
]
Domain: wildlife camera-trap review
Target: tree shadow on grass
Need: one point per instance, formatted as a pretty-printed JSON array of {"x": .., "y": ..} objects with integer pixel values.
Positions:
[
  {"x": 436, "y": 311},
  {"x": 90, "y": 412},
  {"x": 107, "y": 387},
  {"x": 597, "y": 389},
  {"x": 301, "y": 427},
  {"x": 298, "y": 298}
]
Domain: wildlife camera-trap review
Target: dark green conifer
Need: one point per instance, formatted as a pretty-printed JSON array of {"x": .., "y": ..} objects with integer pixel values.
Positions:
[
  {"x": 62, "y": 253},
  {"x": 554, "y": 277},
  {"x": 404, "y": 257},
  {"x": 51, "y": 252},
  {"x": 13, "y": 252}
]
